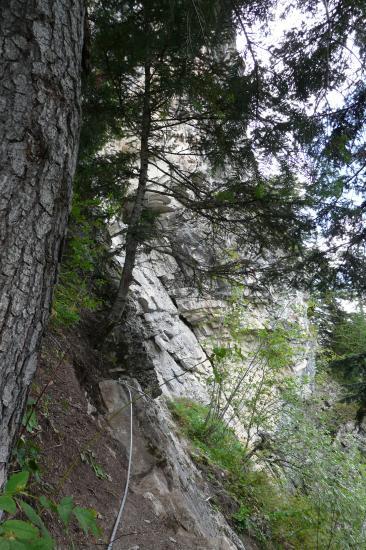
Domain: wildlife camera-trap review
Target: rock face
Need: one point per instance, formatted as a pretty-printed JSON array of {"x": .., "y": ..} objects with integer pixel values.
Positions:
[
  {"x": 164, "y": 346},
  {"x": 165, "y": 476},
  {"x": 167, "y": 334},
  {"x": 160, "y": 336}
]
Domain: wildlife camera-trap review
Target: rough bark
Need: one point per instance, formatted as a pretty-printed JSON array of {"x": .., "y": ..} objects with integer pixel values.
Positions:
[
  {"x": 132, "y": 239},
  {"x": 40, "y": 59}
]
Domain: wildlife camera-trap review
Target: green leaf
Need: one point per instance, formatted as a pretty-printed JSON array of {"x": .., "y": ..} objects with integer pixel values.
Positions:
[
  {"x": 99, "y": 472},
  {"x": 34, "y": 518},
  {"x": 17, "y": 483},
  {"x": 13, "y": 544},
  {"x": 47, "y": 503},
  {"x": 30, "y": 421},
  {"x": 18, "y": 545},
  {"x": 87, "y": 519},
  {"x": 42, "y": 544},
  {"x": 64, "y": 509},
  {"x": 259, "y": 191},
  {"x": 7, "y": 504},
  {"x": 22, "y": 530}
]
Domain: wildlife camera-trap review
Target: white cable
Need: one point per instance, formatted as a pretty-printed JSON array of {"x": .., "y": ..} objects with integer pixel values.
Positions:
[{"x": 123, "y": 502}]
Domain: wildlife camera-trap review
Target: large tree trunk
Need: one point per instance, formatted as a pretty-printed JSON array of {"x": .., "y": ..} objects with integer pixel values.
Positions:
[
  {"x": 40, "y": 63},
  {"x": 132, "y": 237}
]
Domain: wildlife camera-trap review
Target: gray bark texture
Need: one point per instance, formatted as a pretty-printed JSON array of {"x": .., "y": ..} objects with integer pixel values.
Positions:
[{"x": 40, "y": 67}]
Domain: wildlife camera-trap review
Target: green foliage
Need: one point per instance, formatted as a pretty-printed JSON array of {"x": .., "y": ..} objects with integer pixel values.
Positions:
[
  {"x": 30, "y": 421},
  {"x": 7, "y": 504},
  {"x": 86, "y": 519},
  {"x": 88, "y": 457},
  {"x": 64, "y": 510},
  {"x": 323, "y": 56},
  {"x": 349, "y": 335},
  {"x": 343, "y": 354},
  {"x": 19, "y": 534},
  {"x": 204, "y": 91},
  {"x": 224, "y": 196},
  {"x": 305, "y": 491},
  {"x": 78, "y": 282},
  {"x": 26, "y": 454},
  {"x": 17, "y": 483},
  {"x": 331, "y": 478},
  {"x": 16, "y": 533},
  {"x": 17, "y": 489},
  {"x": 251, "y": 374},
  {"x": 338, "y": 415},
  {"x": 220, "y": 445},
  {"x": 242, "y": 518}
]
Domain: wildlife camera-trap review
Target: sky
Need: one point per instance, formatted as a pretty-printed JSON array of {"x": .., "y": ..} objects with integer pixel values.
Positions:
[{"x": 283, "y": 21}]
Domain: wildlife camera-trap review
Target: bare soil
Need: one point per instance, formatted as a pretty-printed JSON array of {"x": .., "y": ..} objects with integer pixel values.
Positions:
[{"x": 70, "y": 426}]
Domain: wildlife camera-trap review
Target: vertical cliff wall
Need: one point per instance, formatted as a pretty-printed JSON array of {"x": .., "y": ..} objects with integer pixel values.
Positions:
[
  {"x": 163, "y": 349},
  {"x": 173, "y": 319}
]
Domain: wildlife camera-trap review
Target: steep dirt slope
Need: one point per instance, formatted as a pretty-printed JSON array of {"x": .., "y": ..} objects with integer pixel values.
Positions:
[{"x": 168, "y": 505}]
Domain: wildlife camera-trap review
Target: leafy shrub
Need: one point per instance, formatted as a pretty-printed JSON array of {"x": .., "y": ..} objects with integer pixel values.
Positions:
[
  {"x": 304, "y": 491},
  {"x": 77, "y": 283},
  {"x": 17, "y": 534},
  {"x": 220, "y": 445},
  {"x": 242, "y": 518}
]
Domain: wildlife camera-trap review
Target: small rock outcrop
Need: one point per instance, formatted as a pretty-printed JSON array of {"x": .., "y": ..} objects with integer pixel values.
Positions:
[{"x": 164, "y": 474}]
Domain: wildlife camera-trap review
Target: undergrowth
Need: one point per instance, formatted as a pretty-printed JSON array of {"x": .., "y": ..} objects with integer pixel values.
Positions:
[
  {"x": 26, "y": 514},
  {"x": 277, "y": 513},
  {"x": 221, "y": 448},
  {"x": 78, "y": 284}
]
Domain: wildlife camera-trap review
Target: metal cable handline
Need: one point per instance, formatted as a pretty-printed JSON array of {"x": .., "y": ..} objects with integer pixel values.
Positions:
[{"x": 123, "y": 501}]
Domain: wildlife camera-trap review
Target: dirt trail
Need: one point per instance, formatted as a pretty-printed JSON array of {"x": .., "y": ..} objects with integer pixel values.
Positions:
[{"x": 68, "y": 428}]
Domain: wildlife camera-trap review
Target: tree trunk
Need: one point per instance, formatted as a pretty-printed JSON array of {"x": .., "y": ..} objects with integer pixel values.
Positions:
[
  {"x": 40, "y": 63},
  {"x": 132, "y": 238}
]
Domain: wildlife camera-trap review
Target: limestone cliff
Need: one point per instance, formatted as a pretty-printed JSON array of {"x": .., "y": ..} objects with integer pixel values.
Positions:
[
  {"x": 162, "y": 349},
  {"x": 171, "y": 321}
]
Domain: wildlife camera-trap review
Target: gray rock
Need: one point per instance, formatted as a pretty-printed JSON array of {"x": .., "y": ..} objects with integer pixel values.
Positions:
[{"x": 164, "y": 343}]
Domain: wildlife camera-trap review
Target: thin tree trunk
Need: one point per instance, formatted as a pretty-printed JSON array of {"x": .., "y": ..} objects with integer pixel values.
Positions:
[
  {"x": 132, "y": 237},
  {"x": 40, "y": 64}
]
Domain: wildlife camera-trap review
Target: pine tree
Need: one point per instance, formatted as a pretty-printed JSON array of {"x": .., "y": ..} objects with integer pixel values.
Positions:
[
  {"x": 167, "y": 69},
  {"x": 321, "y": 104}
]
